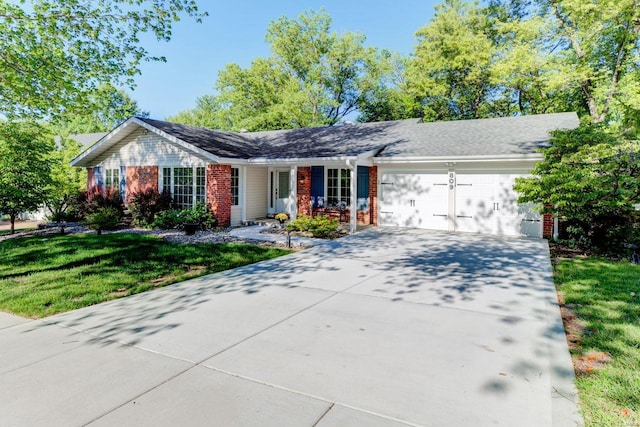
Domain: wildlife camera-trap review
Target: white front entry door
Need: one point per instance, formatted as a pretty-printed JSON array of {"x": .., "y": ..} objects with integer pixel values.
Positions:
[{"x": 282, "y": 190}]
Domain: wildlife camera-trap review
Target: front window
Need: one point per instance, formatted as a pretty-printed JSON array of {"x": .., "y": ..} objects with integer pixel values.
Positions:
[
  {"x": 186, "y": 185},
  {"x": 338, "y": 187},
  {"x": 112, "y": 178},
  {"x": 235, "y": 186}
]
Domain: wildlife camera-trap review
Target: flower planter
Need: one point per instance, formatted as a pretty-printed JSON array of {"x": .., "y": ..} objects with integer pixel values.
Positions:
[{"x": 190, "y": 229}]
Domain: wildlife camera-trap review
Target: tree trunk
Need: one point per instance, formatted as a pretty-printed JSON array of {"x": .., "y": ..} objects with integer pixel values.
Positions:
[{"x": 13, "y": 223}]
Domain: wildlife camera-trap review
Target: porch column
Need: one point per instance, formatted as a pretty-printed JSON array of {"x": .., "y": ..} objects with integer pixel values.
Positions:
[
  {"x": 293, "y": 193},
  {"x": 219, "y": 192},
  {"x": 304, "y": 190},
  {"x": 353, "y": 210}
]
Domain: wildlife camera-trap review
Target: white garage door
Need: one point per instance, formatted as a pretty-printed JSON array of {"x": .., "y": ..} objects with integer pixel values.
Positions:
[
  {"x": 415, "y": 200},
  {"x": 487, "y": 203},
  {"x": 483, "y": 203}
]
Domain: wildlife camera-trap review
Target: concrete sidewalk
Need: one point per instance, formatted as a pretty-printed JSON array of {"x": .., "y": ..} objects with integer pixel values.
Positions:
[
  {"x": 382, "y": 328},
  {"x": 254, "y": 232}
]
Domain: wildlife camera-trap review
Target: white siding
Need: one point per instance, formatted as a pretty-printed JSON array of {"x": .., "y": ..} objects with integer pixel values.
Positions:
[
  {"x": 257, "y": 180},
  {"x": 142, "y": 148}
]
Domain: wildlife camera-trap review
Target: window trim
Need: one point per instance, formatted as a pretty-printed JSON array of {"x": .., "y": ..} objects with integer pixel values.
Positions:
[
  {"x": 326, "y": 184},
  {"x": 235, "y": 187},
  {"x": 113, "y": 175},
  {"x": 194, "y": 186}
]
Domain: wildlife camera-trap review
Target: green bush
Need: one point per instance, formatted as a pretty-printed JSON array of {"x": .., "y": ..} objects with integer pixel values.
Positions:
[
  {"x": 167, "y": 219},
  {"x": 103, "y": 218},
  {"x": 95, "y": 200},
  {"x": 320, "y": 226},
  {"x": 176, "y": 218},
  {"x": 145, "y": 205}
]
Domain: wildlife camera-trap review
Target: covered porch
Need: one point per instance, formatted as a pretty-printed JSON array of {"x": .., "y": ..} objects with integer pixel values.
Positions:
[{"x": 345, "y": 190}]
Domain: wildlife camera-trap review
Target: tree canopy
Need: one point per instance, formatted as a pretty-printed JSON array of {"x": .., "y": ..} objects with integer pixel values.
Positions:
[
  {"x": 106, "y": 107},
  {"x": 55, "y": 53},
  {"x": 314, "y": 77},
  {"x": 24, "y": 167}
]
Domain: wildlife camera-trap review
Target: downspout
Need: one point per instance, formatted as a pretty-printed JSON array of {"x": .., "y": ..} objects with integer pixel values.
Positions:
[{"x": 354, "y": 196}]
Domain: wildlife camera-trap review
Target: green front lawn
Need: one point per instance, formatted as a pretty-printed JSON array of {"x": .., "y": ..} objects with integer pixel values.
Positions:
[
  {"x": 605, "y": 296},
  {"x": 43, "y": 276}
]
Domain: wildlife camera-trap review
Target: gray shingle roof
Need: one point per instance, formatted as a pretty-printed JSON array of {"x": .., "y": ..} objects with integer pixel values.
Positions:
[
  {"x": 397, "y": 139},
  {"x": 223, "y": 144}
]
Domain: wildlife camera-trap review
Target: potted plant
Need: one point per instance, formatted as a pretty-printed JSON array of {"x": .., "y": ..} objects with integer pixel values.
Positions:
[
  {"x": 190, "y": 221},
  {"x": 282, "y": 217}
]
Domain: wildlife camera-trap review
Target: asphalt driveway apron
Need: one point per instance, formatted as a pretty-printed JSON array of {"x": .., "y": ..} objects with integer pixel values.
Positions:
[{"x": 386, "y": 327}]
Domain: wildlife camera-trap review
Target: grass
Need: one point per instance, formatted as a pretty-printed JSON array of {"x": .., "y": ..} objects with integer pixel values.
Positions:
[
  {"x": 18, "y": 230},
  {"x": 605, "y": 297},
  {"x": 43, "y": 276}
]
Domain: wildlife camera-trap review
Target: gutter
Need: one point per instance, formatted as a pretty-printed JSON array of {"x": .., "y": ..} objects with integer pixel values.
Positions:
[{"x": 461, "y": 159}]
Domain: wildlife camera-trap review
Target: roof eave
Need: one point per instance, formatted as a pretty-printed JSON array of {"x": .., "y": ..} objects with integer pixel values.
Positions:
[
  {"x": 461, "y": 159},
  {"x": 84, "y": 159},
  {"x": 300, "y": 161}
]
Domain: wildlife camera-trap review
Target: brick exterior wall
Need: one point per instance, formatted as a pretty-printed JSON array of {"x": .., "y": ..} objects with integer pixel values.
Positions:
[
  {"x": 141, "y": 178},
  {"x": 373, "y": 195},
  {"x": 304, "y": 191},
  {"x": 219, "y": 192},
  {"x": 91, "y": 181},
  {"x": 547, "y": 226}
]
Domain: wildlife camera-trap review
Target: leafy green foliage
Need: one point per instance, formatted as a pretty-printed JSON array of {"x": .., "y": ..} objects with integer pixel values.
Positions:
[
  {"x": 145, "y": 205},
  {"x": 605, "y": 296},
  {"x": 24, "y": 167},
  {"x": 96, "y": 199},
  {"x": 591, "y": 180},
  {"x": 450, "y": 71},
  {"x": 103, "y": 218},
  {"x": 55, "y": 53},
  {"x": 105, "y": 108},
  {"x": 321, "y": 226},
  {"x": 66, "y": 181},
  {"x": 314, "y": 77},
  {"x": 177, "y": 218},
  {"x": 40, "y": 277}
]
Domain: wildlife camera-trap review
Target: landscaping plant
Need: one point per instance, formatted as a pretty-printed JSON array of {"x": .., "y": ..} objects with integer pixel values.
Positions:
[
  {"x": 103, "y": 218},
  {"x": 320, "y": 226},
  {"x": 145, "y": 205}
]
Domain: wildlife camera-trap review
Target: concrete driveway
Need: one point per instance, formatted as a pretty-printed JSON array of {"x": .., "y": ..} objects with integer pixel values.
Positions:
[{"x": 383, "y": 328}]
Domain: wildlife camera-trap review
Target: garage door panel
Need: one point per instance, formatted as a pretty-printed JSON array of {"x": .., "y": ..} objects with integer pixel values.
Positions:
[
  {"x": 414, "y": 200},
  {"x": 484, "y": 203}
]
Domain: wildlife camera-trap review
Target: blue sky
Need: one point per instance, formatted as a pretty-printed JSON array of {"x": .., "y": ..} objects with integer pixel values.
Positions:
[{"x": 234, "y": 32}]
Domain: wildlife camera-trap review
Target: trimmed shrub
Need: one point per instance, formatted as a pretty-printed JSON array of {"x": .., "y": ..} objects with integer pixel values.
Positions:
[
  {"x": 96, "y": 199},
  {"x": 176, "y": 218},
  {"x": 145, "y": 205},
  {"x": 167, "y": 220},
  {"x": 319, "y": 226},
  {"x": 103, "y": 218}
]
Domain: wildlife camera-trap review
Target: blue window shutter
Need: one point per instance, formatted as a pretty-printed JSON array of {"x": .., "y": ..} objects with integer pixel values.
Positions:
[
  {"x": 98, "y": 177},
  {"x": 317, "y": 185},
  {"x": 363, "y": 187},
  {"x": 123, "y": 182}
]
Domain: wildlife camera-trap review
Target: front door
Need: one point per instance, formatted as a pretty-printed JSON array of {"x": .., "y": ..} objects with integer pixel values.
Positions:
[{"x": 282, "y": 189}]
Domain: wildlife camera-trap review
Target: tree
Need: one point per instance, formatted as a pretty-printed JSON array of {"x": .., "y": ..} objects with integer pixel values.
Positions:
[
  {"x": 54, "y": 53},
  {"x": 596, "y": 46},
  {"x": 66, "y": 181},
  {"x": 106, "y": 108},
  {"x": 204, "y": 114},
  {"x": 314, "y": 77},
  {"x": 388, "y": 97},
  {"x": 450, "y": 70},
  {"x": 591, "y": 179},
  {"x": 24, "y": 167}
]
